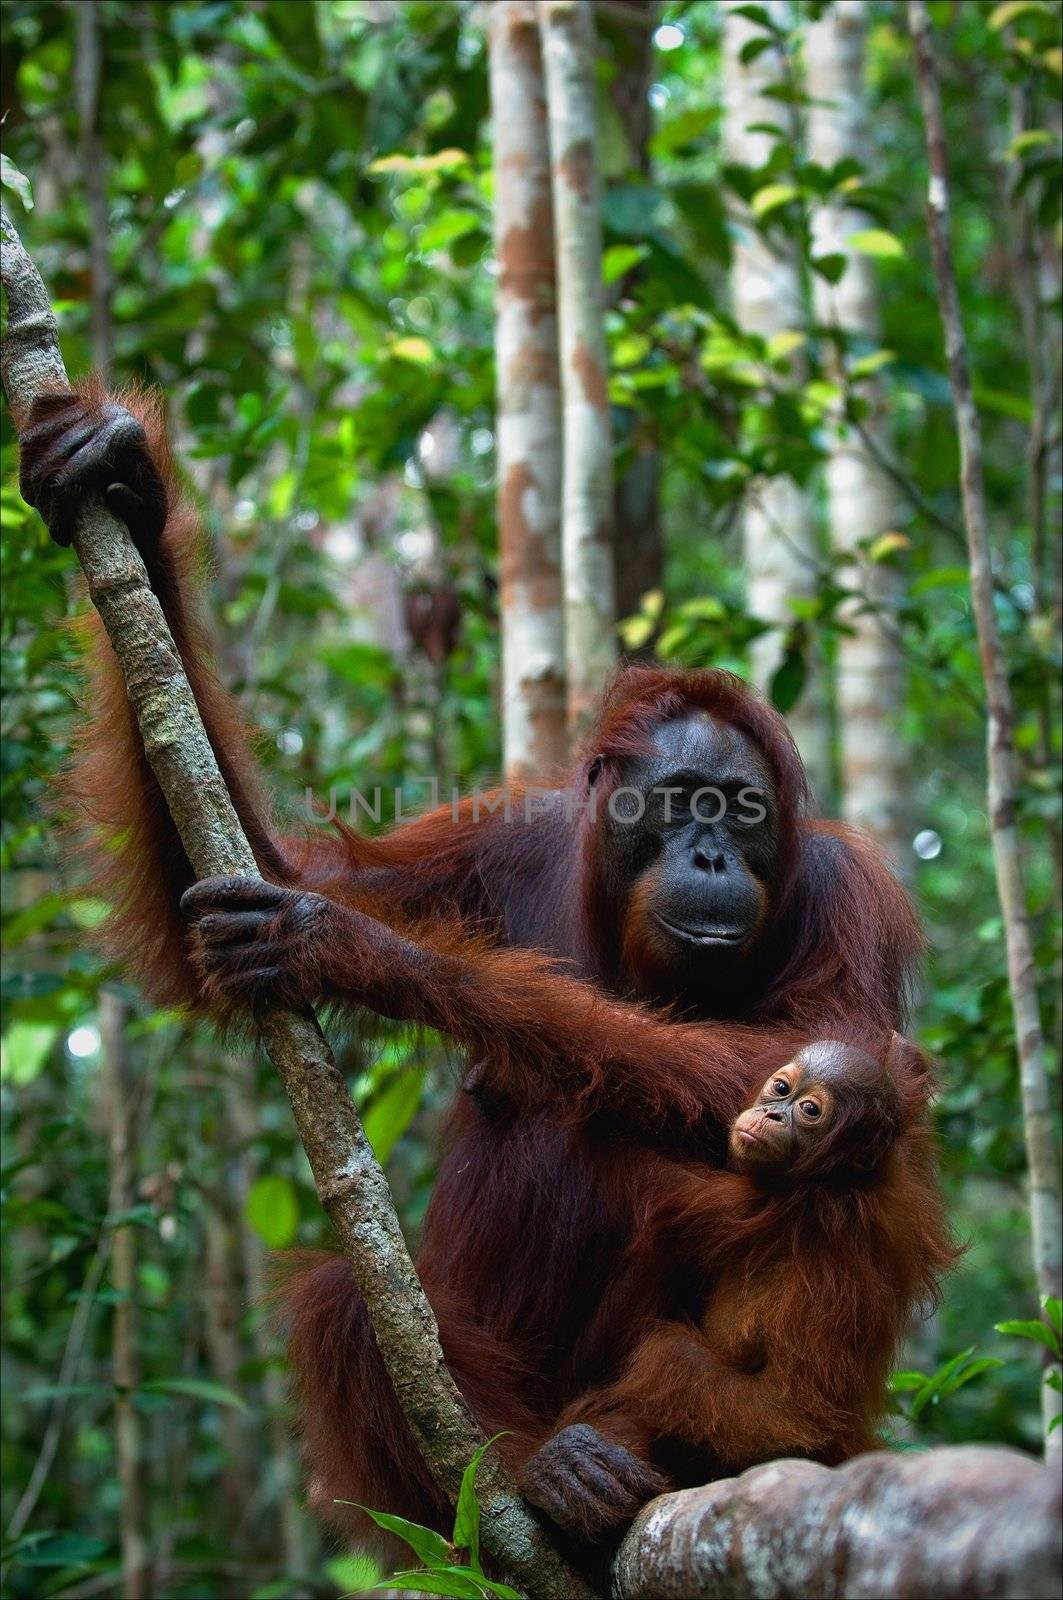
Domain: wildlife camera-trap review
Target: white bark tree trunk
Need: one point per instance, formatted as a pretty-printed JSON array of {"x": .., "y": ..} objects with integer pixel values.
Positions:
[
  {"x": 860, "y": 500},
  {"x": 567, "y": 33},
  {"x": 779, "y": 530},
  {"x": 1042, "y": 1155},
  {"x": 528, "y": 435}
]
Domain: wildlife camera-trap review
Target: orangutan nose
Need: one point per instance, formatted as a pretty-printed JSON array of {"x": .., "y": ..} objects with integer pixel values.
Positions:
[{"x": 708, "y": 859}]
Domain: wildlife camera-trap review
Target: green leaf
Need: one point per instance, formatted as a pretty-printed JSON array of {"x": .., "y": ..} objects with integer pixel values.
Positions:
[
  {"x": 935, "y": 1384},
  {"x": 196, "y": 1389},
  {"x": 965, "y": 1374},
  {"x": 636, "y": 631},
  {"x": 450, "y": 160},
  {"x": 831, "y": 266},
  {"x": 1004, "y": 403},
  {"x": 877, "y": 242},
  {"x": 1029, "y": 139},
  {"x": 62, "y": 1391},
  {"x": 32, "y": 918},
  {"x": 630, "y": 349},
  {"x": 353, "y": 1574},
  {"x": 772, "y": 198},
  {"x": 942, "y": 578},
  {"x": 1034, "y": 1329},
  {"x": 620, "y": 258},
  {"x": 784, "y": 343},
  {"x": 906, "y": 1382},
  {"x": 66, "y": 1550},
  {"x": 392, "y": 1111},
  {"x": 672, "y": 640},
  {"x": 1011, "y": 10},
  {"x": 14, "y": 179},
  {"x": 888, "y": 544},
  {"x": 444, "y": 229},
  {"x": 704, "y": 606},
  {"x": 429, "y": 1546},
  {"x": 1052, "y": 1307},
  {"x": 503, "y": 1590},
  {"x": 24, "y": 1050},
  {"x": 467, "y": 1515},
  {"x": 272, "y": 1209},
  {"x": 413, "y": 349},
  {"x": 758, "y": 14},
  {"x": 787, "y": 681},
  {"x": 431, "y": 1580},
  {"x": 866, "y": 365},
  {"x": 86, "y": 913},
  {"x": 753, "y": 48}
]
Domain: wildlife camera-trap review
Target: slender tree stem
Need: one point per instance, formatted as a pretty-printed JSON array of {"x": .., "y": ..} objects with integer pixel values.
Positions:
[
  {"x": 1041, "y": 1152},
  {"x": 121, "y": 1145}
]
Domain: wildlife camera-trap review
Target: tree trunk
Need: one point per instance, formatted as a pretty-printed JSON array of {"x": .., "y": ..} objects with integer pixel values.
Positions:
[
  {"x": 627, "y": 29},
  {"x": 241, "y": 1125},
  {"x": 860, "y": 499},
  {"x": 528, "y": 434},
  {"x": 1041, "y": 1152},
  {"x": 121, "y": 1144},
  {"x": 94, "y": 178},
  {"x": 781, "y": 554},
  {"x": 567, "y": 28},
  {"x": 222, "y": 1302}
]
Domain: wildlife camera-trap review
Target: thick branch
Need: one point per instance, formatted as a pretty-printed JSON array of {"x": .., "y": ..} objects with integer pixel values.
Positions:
[
  {"x": 966, "y": 1522},
  {"x": 350, "y": 1182}
]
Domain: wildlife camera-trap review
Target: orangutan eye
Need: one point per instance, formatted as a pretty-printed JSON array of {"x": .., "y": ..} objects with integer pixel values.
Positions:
[
  {"x": 780, "y": 1087},
  {"x": 811, "y": 1109}
]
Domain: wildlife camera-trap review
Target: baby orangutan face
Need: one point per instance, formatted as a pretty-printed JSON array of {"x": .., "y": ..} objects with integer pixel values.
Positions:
[{"x": 799, "y": 1106}]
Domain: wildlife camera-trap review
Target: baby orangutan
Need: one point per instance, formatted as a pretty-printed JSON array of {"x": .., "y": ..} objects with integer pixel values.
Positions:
[{"x": 789, "y": 1280}]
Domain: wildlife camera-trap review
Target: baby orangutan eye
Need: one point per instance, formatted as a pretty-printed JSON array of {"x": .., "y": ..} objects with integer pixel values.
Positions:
[
  {"x": 780, "y": 1086},
  {"x": 811, "y": 1108}
]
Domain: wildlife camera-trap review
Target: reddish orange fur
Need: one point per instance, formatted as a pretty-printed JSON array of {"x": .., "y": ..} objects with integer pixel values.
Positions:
[
  {"x": 807, "y": 1289},
  {"x": 582, "y": 1088},
  {"x": 138, "y": 862}
]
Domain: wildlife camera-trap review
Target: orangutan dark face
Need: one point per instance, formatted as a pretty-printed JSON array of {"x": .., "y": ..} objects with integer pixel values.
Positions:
[{"x": 689, "y": 848}]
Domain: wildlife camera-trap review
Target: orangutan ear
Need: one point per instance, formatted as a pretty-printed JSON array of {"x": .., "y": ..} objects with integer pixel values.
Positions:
[
  {"x": 908, "y": 1060},
  {"x": 594, "y": 771}
]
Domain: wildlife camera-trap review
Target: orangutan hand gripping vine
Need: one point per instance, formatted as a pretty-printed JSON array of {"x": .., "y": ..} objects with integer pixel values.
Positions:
[{"x": 624, "y": 963}]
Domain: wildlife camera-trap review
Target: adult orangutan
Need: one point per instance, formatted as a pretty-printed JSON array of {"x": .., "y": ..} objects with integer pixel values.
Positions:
[{"x": 626, "y": 962}]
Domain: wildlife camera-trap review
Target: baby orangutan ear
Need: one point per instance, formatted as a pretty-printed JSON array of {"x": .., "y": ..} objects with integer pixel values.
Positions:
[
  {"x": 909, "y": 1062},
  {"x": 594, "y": 771}
]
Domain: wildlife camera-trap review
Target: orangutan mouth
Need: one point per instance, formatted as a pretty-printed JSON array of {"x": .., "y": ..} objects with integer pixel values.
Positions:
[{"x": 703, "y": 936}]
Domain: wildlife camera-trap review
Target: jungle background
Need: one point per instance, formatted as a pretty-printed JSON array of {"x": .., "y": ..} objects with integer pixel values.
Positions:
[{"x": 281, "y": 214}]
